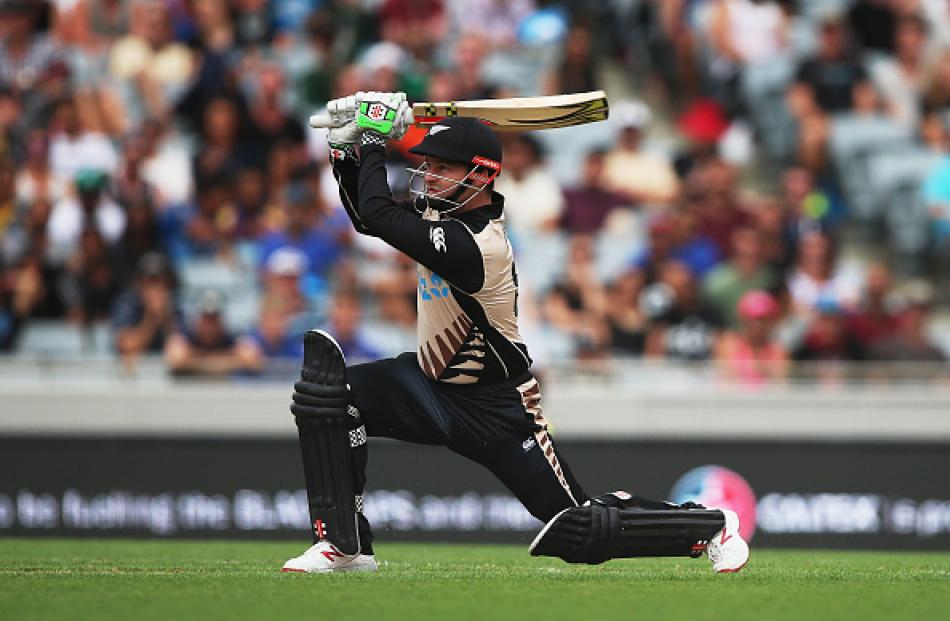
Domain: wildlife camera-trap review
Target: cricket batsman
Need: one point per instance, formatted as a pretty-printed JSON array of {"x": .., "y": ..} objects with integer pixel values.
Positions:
[{"x": 468, "y": 386}]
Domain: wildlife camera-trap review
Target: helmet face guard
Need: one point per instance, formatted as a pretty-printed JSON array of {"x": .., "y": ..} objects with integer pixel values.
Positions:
[{"x": 481, "y": 174}]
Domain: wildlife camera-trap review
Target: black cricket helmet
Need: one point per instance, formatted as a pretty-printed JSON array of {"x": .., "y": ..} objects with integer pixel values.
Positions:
[
  {"x": 464, "y": 140},
  {"x": 460, "y": 139}
]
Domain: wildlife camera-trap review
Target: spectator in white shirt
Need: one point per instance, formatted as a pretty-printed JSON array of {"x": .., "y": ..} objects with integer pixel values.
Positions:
[
  {"x": 901, "y": 79},
  {"x": 73, "y": 149},
  {"x": 629, "y": 168},
  {"x": 90, "y": 207},
  {"x": 818, "y": 277},
  {"x": 533, "y": 197}
]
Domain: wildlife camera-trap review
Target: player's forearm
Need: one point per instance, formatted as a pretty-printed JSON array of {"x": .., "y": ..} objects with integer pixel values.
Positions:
[
  {"x": 377, "y": 210},
  {"x": 346, "y": 173},
  {"x": 375, "y": 206}
]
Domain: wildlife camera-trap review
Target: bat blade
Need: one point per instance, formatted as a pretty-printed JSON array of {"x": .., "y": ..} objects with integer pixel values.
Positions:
[
  {"x": 520, "y": 113},
  {"x": 513, "y": 114}
]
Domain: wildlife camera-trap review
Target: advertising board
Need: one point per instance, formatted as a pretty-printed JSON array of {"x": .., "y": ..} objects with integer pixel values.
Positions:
[{"x": 788, "y": 494}]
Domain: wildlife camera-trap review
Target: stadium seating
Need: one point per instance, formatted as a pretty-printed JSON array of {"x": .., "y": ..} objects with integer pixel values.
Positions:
[
  {"x": 853, "y": 141},
  {"x": 895, "y": 179},
  {"x": 59, "y": 338},
  {"x": 236, "y": 284},
  {"x": 763, "y": 86}
]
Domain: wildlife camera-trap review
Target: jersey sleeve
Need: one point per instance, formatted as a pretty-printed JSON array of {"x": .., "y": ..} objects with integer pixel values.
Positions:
[
  {"x": 346, "y": 172},
  {"x": 444, "y": 246}
]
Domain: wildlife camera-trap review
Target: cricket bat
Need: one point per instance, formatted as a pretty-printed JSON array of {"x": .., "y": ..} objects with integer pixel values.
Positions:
[{"x": 513, "y": 114}]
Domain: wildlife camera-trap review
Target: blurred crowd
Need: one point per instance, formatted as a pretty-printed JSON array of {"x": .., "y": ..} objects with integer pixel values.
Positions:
[{"x": 159, "y": 185}]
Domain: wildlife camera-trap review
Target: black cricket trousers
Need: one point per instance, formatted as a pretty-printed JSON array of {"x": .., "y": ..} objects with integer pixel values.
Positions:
[{"x": 499, "y": 426}]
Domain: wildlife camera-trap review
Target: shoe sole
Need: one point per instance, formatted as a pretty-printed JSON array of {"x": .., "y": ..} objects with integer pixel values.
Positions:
[
  {"x": 327, "y": 571},
  {"x": 290, "y": 570},
  {"x": 734, "y": 571}
]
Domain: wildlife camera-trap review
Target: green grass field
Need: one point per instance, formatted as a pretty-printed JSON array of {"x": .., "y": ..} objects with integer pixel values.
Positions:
[{"x": 142, "y": 580}]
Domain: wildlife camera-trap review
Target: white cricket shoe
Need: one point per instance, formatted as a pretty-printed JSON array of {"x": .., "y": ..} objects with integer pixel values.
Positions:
[
  {"x": 727, "y": 550},
  {"x": 324, "y": 557}
]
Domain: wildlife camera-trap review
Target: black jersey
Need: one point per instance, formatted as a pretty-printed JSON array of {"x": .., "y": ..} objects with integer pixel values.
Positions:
[{"x": 468, "y": 285}]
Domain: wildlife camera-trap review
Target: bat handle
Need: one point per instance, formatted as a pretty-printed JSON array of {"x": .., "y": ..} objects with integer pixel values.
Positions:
[{"x": 318, "y": 121}]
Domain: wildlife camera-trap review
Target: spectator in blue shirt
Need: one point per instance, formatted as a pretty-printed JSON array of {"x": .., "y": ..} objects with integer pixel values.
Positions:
[
  {"x": 275, "y": 335},
  {"x": 936, "y": 191},
  {"x": 207, "y": 347},
  {"x": 344, "y": 321},
  {"x": 320, "y": 234},
  {"x": 145, "y": 315},
  {"x": 673, "y": 238}
]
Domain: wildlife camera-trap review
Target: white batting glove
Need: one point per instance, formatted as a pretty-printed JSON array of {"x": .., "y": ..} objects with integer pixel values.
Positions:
[
  {"x": 343, "y": 137},
  {"x": 404, "y": 119}
]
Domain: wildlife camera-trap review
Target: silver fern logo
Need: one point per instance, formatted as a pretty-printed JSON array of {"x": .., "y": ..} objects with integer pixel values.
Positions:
[{"x": 437, "y": 237}]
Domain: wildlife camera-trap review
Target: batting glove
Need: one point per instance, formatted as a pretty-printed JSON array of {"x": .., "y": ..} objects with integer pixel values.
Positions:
[
  {"x": 343, "y": 137},
  {"x": 386, "y": 114}
]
